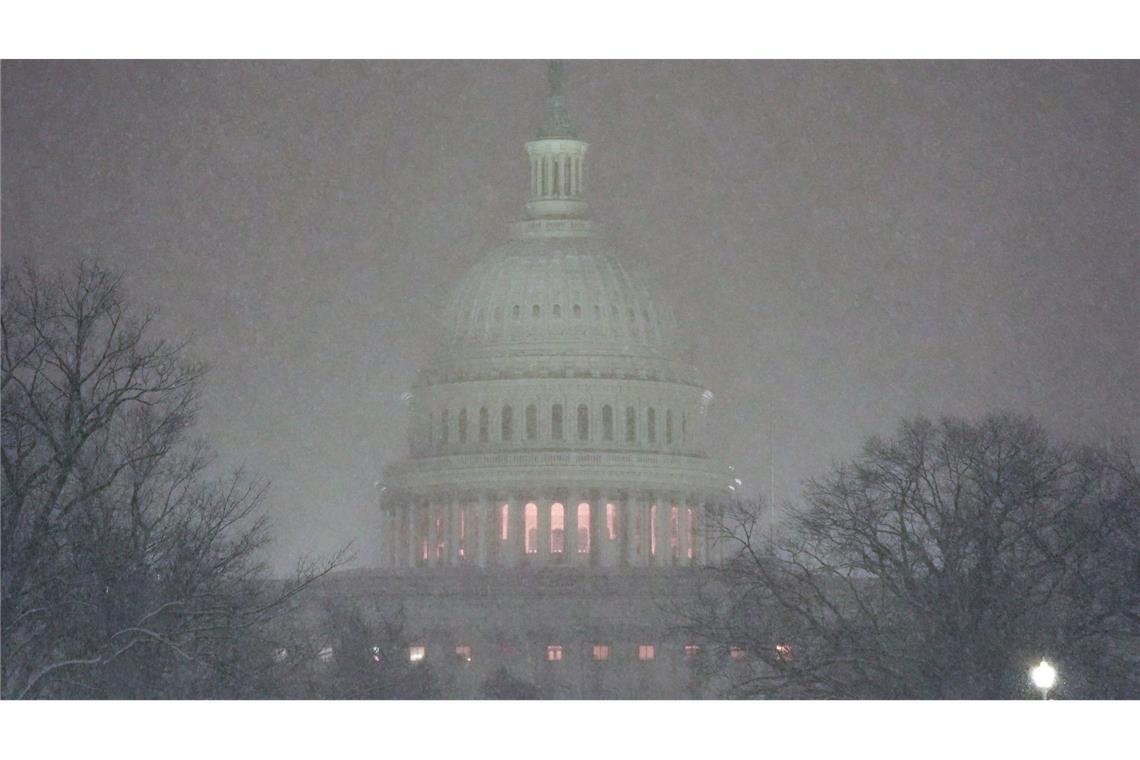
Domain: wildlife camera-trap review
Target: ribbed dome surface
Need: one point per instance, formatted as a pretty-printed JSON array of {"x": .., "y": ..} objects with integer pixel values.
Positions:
[{"x": 556, "y": 294}]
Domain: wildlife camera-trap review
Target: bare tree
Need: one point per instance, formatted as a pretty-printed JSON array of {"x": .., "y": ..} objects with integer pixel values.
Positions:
[
  {"x": 128, "y": 568},
  {"x": 940, "y": 564}
]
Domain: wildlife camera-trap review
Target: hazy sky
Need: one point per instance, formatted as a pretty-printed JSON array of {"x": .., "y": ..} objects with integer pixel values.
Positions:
[{"x": 845, "y": 244}]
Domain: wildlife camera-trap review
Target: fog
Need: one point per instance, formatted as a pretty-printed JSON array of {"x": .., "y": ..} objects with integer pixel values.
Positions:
[{"x": 845, "y": 244}]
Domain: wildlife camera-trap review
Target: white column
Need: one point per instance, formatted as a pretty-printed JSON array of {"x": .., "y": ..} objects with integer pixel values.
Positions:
[
  {"x": 484, "y": 523},
  {"x": 453, "y": 530},
  {"x": 543, "y": 542},
  {"x": 516, "y": 545},
  {"x": 570, "y": 531}
]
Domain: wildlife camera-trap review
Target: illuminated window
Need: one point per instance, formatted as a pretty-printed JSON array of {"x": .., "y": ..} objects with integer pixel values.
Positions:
[
  {"x": 607, "y": 423},
  {"x": 674, "y": 532},
  {"x": 326, "y": 654},
  {"x": 584, "y": 528},
  {"x": 531, "y": 423},
  {"x": 630, "y": 424},
  {"x": 601, "y": 653},
  {"x": 504, "y": 521},
  {"x": 736, "y": 653},
  {"x": 583, "y": 422},
  {"x": 416, "y": 652},
  {"x": 557, "y": 528},
  {"x": 653, "y": 531},
  {"x": 651, "y": 425},
  {"x": 556, "y": 422},
  {"x": 463, "y": 652},
  {"x": 507, "y": 427},
  {"x": 483, "y": 424},
  {"x": 530, "y": 515},
  {"x": 646, "y": 652},
  {"x": 669, "y": 426},
  {"x": 784, "y": 652},
  {"x": 691, "y": 651},
  {"x": 611, "y": 521},
  {"x": 463, "y": 425},
  {"x": 554, "y": 653}
]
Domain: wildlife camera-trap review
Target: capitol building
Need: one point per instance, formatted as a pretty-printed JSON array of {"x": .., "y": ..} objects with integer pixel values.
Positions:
[{"x": 556, "y": 502}]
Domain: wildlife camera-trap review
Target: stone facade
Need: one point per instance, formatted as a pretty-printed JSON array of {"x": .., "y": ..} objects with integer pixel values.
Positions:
[{"x": 555, "y": 474}]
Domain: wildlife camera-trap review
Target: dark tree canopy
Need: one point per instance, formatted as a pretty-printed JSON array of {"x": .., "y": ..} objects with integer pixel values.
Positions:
[
  {"x": 129, "y": 567},
  {"x": 941, "y": 564}
]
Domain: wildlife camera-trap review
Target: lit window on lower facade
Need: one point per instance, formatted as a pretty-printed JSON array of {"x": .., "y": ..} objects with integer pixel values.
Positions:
[
  {"x": 646, "y": 652},
  {"x": 554, "y": 653},
  {"x": 416, "y": 652},
  {"x": 463, "y": 652},
  {"x": 784, "y": 652},
  {"x": 601, "y": 653},
  {"x": 736, "y": 653},
  {"x": 692, "y": 651}
]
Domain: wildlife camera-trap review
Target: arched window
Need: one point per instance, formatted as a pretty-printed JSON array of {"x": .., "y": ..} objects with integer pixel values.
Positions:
[
  {"x": 504, "y": 521},
  {"x": 597, "y": 312},
  {"x": 584, "y": 528},
  {"x": 674, "y": 532},
  {"x": 669, "y": 426},
  {"x": 515, "y": 312},
  {"x": 653, "y": 530},
  {"x": 530, "y": 517},
  {"x": 630, "y": 424},
  {"x": 607, "y": 423},
  {"x": 531, "y": 423},
  {"x": 583, "y": 422},
  {"x": 557, "y": 311},
  {"x": 611, "y": 520},
  {"x": 463, "y": 425},
  {"x": 651, "y": 425},
  {"x": 508, "y": 428},
  {"x": 536, "y": 311},
  {"x": 483, "y": 424},
  {"x": 444, "y": 432},
  {"x": 577, "y": 311},
  {"x": 557, "y": 528},
  {"x": 556, "y": 422}
]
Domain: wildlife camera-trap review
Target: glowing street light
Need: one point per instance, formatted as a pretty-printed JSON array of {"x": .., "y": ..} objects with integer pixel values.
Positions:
[{"x": 1044, "y": 676}]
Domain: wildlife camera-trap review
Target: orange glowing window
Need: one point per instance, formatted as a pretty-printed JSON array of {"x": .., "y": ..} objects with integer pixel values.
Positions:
[
  {"x": 784, "y": 652},
  {"x": 504, "y": 522},
  {"x": 646, "y": 652},
  {"x": 611, "y": 521},
  {"x": 584, "y": 528},
  {"x": 601, "y": 652},
  {"x": 463, "y": 652},
  {"x": 557, "y": 528},
  {"x": 554, "y": 653},
  {"x": 530, "y": 515},
  {"x": 416, "y": 652},
  {"x": 691, "y": 651},
  {"x": 736, "y": 653}
]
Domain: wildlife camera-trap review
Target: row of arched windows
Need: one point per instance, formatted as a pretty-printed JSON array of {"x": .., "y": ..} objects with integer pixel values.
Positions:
[{"x": 477, "y": 428}]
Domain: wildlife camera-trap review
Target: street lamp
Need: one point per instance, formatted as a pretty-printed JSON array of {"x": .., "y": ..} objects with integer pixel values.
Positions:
[{"x": 1043, "y": 676}]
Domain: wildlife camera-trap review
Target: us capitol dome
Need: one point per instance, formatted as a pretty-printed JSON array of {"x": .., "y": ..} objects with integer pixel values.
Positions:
[{"x": 556, "y": 489}]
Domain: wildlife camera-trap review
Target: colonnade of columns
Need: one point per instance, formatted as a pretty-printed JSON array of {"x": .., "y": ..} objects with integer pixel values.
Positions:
[
  {"x": 556, "y": 175},
  {"x": 494, "y": 530}
]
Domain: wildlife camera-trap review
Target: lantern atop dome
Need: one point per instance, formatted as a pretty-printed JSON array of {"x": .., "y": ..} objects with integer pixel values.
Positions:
[{"x": 557, "y": 161}]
